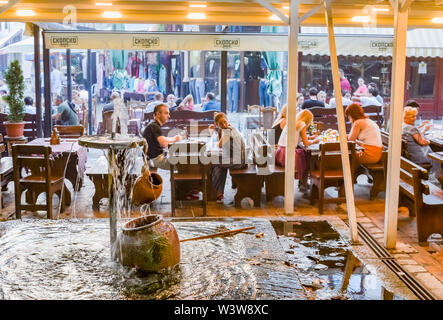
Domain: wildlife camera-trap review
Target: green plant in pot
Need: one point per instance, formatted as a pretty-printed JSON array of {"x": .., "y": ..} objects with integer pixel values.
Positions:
[{"x": 14, "y": 78}]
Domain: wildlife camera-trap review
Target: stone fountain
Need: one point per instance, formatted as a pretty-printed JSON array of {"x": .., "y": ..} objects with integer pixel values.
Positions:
[{"x": 147, "y": 243}]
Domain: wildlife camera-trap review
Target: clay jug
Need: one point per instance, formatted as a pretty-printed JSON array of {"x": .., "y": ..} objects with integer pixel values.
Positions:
[
  {"x": 148, "y": 243},
  {"x": 147, "y": 188}
]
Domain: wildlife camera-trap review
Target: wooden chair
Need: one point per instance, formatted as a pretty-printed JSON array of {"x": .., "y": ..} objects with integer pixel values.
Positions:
[
  {"x": 69, "y": 131},
  {"x": 30, "y": 130},
  {"x": 185, "y": 175},
  {"x": 251, "y": 109},
  {"x": 374, "y": 113},
  {"x": 6, "y": 168},
  {"x": 41, "y": 179},
  {"x": 107, "y": 121},
  {"x": 266, "y": 117},
  {"x": 330, "y": 173}
]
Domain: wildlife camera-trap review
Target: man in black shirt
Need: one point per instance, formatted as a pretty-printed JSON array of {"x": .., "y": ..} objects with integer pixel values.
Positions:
[
  {"x": 156, "y": 141},
  {"x": 312, "y": 101}
]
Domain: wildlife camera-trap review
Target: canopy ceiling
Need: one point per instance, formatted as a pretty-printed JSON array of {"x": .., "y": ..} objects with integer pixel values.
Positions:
[{"x": 224, "y": 12}]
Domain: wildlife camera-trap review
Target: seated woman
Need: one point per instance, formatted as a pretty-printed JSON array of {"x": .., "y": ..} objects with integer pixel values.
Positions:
[
  {"x": 280, "y": 123},
  {"x": 362, "y": 89},
  {"x": 425, "y": 125},
  {"x": 187, "y": 103},
  {"x": 233, "y": 148},
  {"x": 418, "y": 146},
  {"x": 303, "y": 121},
  {"x": 366, "y": 133}
]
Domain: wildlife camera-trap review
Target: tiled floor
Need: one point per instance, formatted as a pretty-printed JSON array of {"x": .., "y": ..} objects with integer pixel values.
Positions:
[{"x": 424, "y": 262}]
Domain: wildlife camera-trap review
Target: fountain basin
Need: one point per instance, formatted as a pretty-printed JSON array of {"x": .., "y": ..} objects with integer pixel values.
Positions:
[
  {"x": 149, "y": 244},
  {"x": 107, "y": 142}
]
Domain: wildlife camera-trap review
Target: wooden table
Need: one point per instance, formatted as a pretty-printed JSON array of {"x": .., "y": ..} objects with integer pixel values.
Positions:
[
  {"x": 68, "y": 150},
  {"x": 438, "y": 156},
  {"x": 435, "y": 136}
]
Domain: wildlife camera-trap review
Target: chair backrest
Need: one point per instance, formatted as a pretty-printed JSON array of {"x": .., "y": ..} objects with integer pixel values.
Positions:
[
  {"x": 3, "y": 118},
  {"x": 384, "y": 138},
  {"x": 326, "y": 116},
  {"x": 254, "y": 109},
  {"x": 70, "y": 131},
  {"x": 34, "y": 157},
  {"x": 189, "y": 115},
  {"x": 30, "y": 130},
  {"x": 267, "y": 117},
  {"x": 2, "y": 145},
  {"x": 148, "y": 116},
  {"x": 107, "y": 121},
  {"x": 374, "y": 113},
  {"x": 411, "y": 179},
  {"x": 330, "y": 156}
]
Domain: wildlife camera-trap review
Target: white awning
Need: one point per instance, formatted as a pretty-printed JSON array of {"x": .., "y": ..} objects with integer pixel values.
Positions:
[{"x": 424, "y": 43}]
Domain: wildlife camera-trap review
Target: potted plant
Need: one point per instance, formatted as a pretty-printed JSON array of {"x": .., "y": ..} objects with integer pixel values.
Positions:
[{"x": 14, "y": 78}]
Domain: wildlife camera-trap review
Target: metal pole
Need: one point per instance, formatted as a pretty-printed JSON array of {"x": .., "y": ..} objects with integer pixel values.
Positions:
[
  {"x": 292, "y": 102},
  {"x": 341, "y": 125},
  {"x": 89, "y": 76},
  {"x": 395, "y": 125},
  {"x": 38, "y": 84},
  {"x": 47, "y": 91},
  {"x": 68, "y": 74},
  {"x": 223, "y": 79},
  {"x": 241, "y": 105}
]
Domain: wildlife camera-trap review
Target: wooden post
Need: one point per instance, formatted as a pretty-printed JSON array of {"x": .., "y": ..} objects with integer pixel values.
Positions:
[
  {"x": 68, "y": 74},
  {"x": 395, "y": 125},
  {"x": 341, "y": 125},
  {"x": 47, "y": 91},
  {"x": 89, "y": 76},
  {"x": 223, "y": 79},
  {"x": 38, "y": 84},
  {"x": 292, "y": 102},
  {"x": 242, "y": 87}
]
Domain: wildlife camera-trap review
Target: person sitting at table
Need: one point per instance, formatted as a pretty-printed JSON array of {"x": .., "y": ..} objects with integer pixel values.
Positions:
[
  {"x": 211, "y": 103},
  {"x": 418, "y": 145},
  {"x": 29, "y": 106},
  {"x": 187, "y": 103},
  {"x": 321, "y": 96},
  {"x": 300, "y": 100},
  {"x": 158, "y": 99},
  {"x": 366, "y": 133},
  {"x": 233, "y": 148},
  {"x": 424, "y": 125},
  {"x": 150, "y": 89},
  {"x": 370, "y": 100},
  {"x": 362, "y": 89},
  {"x": 312, "y": 101},
  {"x": 280, "y": 123},
  {"x": 156, "y": 140},
  {"x": 303, "y": 120},
  {"x": 378, "y": 97},
  {"x": 345, "y": 101},
  {"x": 65, "y": 112},
  {"x": 170, "y": 101}
]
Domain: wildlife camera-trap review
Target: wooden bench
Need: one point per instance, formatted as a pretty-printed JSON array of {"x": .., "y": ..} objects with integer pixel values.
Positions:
[
  {"x": 423, "y": 199},
  {"x": 248, "y": 183},
  {"x": 99, "y": 176}
]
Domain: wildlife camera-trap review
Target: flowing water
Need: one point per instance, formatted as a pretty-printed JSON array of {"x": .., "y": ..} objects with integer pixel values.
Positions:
[{"x": 70, "y": 259}]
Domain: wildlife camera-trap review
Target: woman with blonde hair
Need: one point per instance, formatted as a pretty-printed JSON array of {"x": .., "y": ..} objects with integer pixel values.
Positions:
[
  {"x": 280, "y": 123},
  {"x": 303, "y": 120},
  {"x": 418, "y": 146}
]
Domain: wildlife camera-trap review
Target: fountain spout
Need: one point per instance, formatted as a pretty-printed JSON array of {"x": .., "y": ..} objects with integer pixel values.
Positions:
[{"x": 119, "y": 116}]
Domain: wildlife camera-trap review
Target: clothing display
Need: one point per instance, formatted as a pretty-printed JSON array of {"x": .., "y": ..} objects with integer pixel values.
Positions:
[
  {"x": 199, "y": 90},
  {"x": 233, "y": 94},
  {"x": 162, "y": 79},
  {"x": 265, "y": 98}
]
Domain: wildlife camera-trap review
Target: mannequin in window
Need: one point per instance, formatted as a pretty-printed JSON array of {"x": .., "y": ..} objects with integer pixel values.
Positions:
[{"x": 233, "y": 87}]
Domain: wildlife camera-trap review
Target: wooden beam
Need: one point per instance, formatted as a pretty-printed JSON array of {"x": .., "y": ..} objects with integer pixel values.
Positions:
[
  {"x": 7, "y": 6},
  {"x": 292, "y": 105},
  {"x": 310, "y": 13},
  {"x": 341, "y": 124},
  {"x": 47, "y": 91},
  {"x": 395, "y": 126},
  {"x": 405, "y": 5},
  {"x": 274, "y": 10},
  {"x": 38, "y": 83}
]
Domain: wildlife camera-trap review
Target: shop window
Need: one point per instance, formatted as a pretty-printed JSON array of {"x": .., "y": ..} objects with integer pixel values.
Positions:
[{"x": 421, "y": 84}]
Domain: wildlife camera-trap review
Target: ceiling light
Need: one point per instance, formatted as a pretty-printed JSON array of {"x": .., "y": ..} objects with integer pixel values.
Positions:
[
  {"x": 197, "y": 5},
  {"x": 196, "y": 15},
  {"x": 381, "y": 9},
  {"x": 103, "y": 4},
  {"x": 3, "y": 2},
  {"x": 286, "y": 8},
  {"x": 276, "y": 18},
  {"x": 111, "y": 14},
  {"x": 25, "y": 13},
  {"x": 437, "y": 20},
  {"x": 361, "y": 19}
]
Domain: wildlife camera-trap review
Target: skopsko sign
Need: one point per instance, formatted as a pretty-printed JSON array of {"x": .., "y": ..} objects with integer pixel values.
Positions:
[
  {"x": 64, "y": 41},
  {"x": 145, "y": 42},
  {"x": 227, "y": 43}
]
